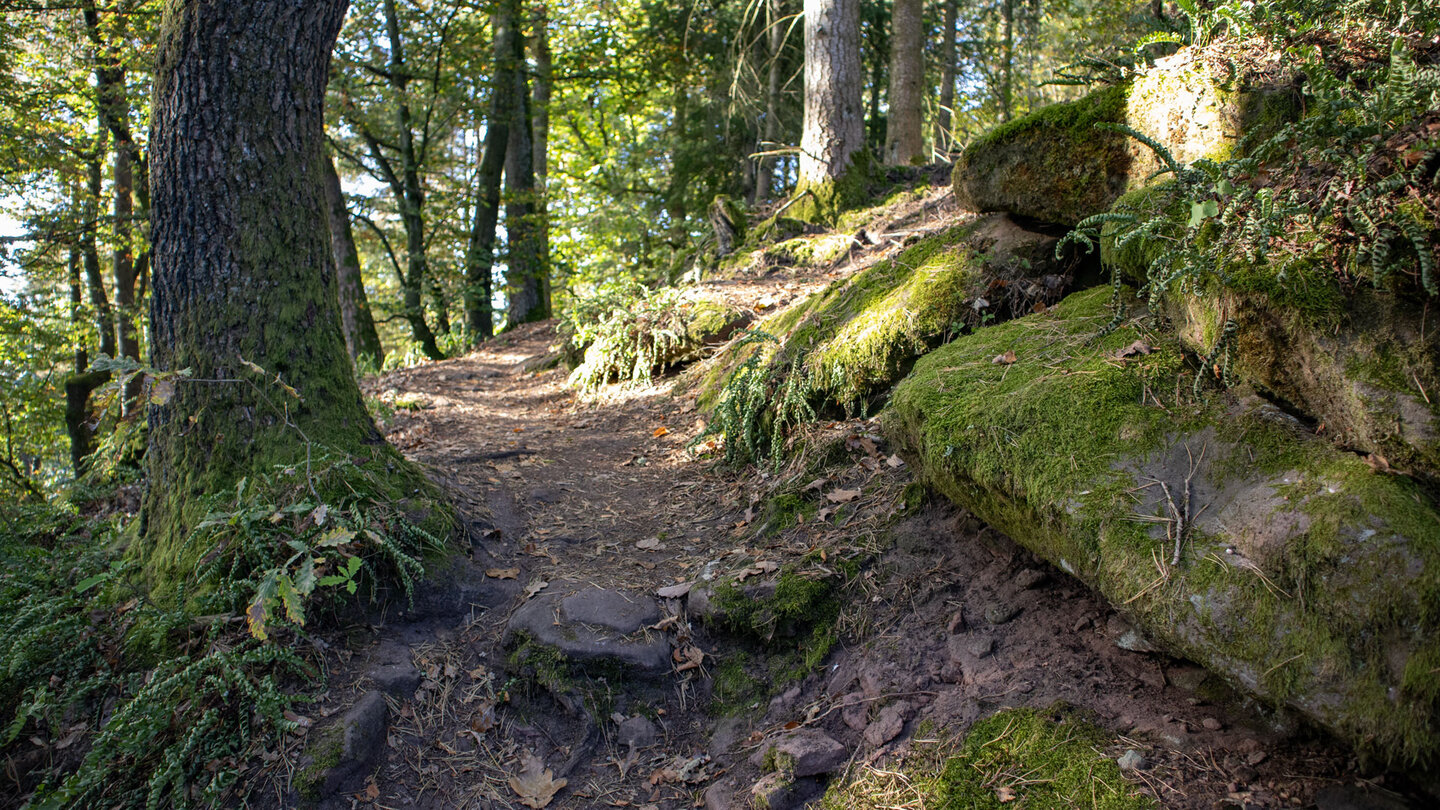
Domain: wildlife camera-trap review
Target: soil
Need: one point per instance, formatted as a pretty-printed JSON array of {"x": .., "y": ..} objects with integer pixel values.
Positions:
[{"x": 944, "y": 620}]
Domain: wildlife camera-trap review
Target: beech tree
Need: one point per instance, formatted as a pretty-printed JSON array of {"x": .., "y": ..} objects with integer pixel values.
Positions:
[
  {"x": 904, "y": 141},
  {"x": 356, "y": 321},
  {"x": 244, "y": 274}
]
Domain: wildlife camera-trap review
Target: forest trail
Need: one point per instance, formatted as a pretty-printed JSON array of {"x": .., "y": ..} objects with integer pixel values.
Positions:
[{"x": 943, "y": 621}]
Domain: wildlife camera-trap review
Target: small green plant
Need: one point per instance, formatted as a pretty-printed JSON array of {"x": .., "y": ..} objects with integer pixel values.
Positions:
[{"x": 758, "y": 406}]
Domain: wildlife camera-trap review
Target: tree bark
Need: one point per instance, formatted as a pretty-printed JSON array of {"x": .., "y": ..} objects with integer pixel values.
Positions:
[
  {"x": 90, "y": 250},
  {"x": 356, "y": 322},
  {"x": 244, "y": 271},
  {"x": 834, "y": 123},
  {"x": 904, "y": 138},
  {"x": 480, "y": 252},
  {"x": 1007, "y": 59},
  {"x": 540, "y": 130},
  {"x": 527, "y": 278},
  {"x": 944, "y": 137}
]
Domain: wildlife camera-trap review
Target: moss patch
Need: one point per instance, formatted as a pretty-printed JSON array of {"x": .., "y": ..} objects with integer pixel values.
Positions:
[
  {"x": 1015, "y": 758},
  {"x": 1309, "y": 580}
]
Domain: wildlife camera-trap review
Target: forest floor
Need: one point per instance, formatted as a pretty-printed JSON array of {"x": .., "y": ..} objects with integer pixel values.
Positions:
[{"x": 943, "y": 620}]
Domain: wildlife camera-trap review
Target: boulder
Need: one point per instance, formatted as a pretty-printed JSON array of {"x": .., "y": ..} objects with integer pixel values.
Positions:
[
  {"x": 800, "y": 753},
  {"x": 1362, "y": 362},
  {"x": 1061, "y": 164},
  {"x": 1305, "y": 576},
  {"x": 594, "y": 625},
  {"x": 342, "y": 753}
]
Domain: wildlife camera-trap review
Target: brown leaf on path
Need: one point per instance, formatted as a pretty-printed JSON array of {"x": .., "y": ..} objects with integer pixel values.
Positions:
[
  {"x": 689, "y": 658},
  {"x": 535, "y": 784},
  {"x": 660, "y": 431},
  {"x": 372, "y": 792},
  {"x": 1004, "y": 359},
  {"x": 502, "y": 573},
  {"x": 535, "y": 587},
  {"x": 842, "y": 495},
  {"x": 1138, "y": 347},
  {"x": 650, "y": 544},
  {"x": 1004, "y": 794},
  {"x": 895, "y": 461},
  {"x": 675, "y": 591}
]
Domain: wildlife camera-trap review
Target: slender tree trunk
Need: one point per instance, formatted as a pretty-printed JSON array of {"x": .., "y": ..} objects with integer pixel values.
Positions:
[
  {"x": 90, "y": 252},
  {"x": 1007, "y": 57},
  {"x": 944, "y": 137},
  {"x": 834, "y": 124},
  {"x": 356, "y": 322},
  {"x": 540, "y": 128},
  {"x": 904, "y": 138},
  {"x": 765, "y": 172},
  {"x": 480, "y": 252},
  {"x": 244, "y": 271},
  {"x": 526, "y": 275}
]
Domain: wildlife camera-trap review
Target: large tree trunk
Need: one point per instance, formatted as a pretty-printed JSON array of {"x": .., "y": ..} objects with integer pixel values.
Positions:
[
  {"x": 480, "y": 252},
  {"x": 944, "y": 137},
  {"x": 834, "y": 125},
  {"x": 904, "y": 138},
  {"x": 765, "y": 173},
  {"x": 243, "y": 267},
  {"x": 527, "y": 276},
  {"x": 356, "y": 322}
]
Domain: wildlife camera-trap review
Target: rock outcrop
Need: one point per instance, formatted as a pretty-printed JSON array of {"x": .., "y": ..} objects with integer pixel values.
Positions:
[{"x": 1224, "y": 528}]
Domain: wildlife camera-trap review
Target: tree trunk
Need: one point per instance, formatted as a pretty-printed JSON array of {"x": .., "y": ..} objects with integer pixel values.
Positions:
[
  {"x": 834, "y": 125},
  {"x": 944, "y": 137},
  {"x": 765, "y": 172},
  {"x": 90, "y": 251},
  {"x": 904, "y": 138},
  {"x": 527, "y": 278},
  {"x": 356, "y": 322},
  {"x": 480, "y": 252},
  {"x": 244, "y": 271},
  {"x": 540, "y": 129}
]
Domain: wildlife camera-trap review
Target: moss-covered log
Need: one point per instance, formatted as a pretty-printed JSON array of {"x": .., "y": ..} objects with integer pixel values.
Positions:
[
  {"x": 1304, "y": 576},
  {"x": 244, "y": 272}
]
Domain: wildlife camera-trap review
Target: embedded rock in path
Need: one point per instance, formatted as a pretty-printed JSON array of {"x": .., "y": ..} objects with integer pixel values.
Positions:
[
  {"x": 804, "y": 752},
  {"x": 343, "y": 753},
  {"x": 889, "y": 724},
  {"x": 400, "y": 680},
  {"x": 1305, "y": 575},
  {"x": 781, "y": 791},
  {"x": 595, "y": 624}
]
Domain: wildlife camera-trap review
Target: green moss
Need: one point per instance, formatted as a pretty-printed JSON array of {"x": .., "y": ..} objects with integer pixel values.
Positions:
[
  {"x": 788, "y": 510},
  {"x": 1057, "y": 449},
  {"x": 735, "y": 691},
  {"x": 540, "y": 665},
  {"x": 1044, "y": 763},
  {"x": 823, "y": 203},
  {"x": 325, "y": 753},
  {"x": 814, "y": 251},
  {"x": 1076, "y": 120}
]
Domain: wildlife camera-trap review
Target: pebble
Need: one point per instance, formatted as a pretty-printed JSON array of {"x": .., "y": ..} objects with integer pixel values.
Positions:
[
  {"x": 1132, "y": 760},
  {"x": 1211, "y": 724},
  {"x": 1000, "y": 612}
]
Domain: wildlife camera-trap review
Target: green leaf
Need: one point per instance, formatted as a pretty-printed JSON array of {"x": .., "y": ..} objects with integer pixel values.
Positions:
[
  {"x": 352, "y": 566},
  {"x": 89, "y": 582},
  {"x": 305, "y": 578},
  {"x": 294, "y": 610},
  {"x": 1224, "y": 188},
  {"x": 337, "y": 537},
  {"x": 1201, "y": 211}
]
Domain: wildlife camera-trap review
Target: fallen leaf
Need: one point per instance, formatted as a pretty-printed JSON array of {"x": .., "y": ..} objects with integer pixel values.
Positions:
[
  {"x": 535, "y": 587},
  {"x": 689, "y": 658},
  {"x": 675, "y": 591},
  {"x": 650, "y": 544},
  {"x": 372, "y": 791},
  {"x": 502, "y": 573},
  {"x": 895, "y": 461},
  {"x": 1138, "y": 347},
  {"x": 842, "y": 495},
  {"x": 660, "y": 431},
  {"x": 1039, "y": 307},
  {"x": 1004, "y": 359},
  {"x": 1004, "y": 794},
  {"x": 816, "y": 485},
  {"x": 535, "y": 784},
  {"x": 792, "y": 725},
  {"x": 484, "y": 718}
]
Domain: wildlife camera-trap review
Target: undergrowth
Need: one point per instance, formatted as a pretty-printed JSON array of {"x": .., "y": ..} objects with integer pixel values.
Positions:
[
  {"x": 759, "y": 405},
  {"x": 110, "y": 699}
]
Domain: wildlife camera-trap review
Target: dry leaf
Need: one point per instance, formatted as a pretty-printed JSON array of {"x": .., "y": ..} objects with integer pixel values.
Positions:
[
  {"x": 675, "y": 591},
  {"x": 535, "y": 587},
  {"x": 689, "y": 658},
  {"x": 535, "y": 785},
  {"x": 372, "y": 791},
  {"x": 484, "y": 719},
  {"x": 650, "y": 544},
  {"x": 1004, "y": 794},
  {"x": 1138, "y": 347},
  {"x": 895, "y": 461},
  {"x": 660, "y": 431},
  {"x": 1004, "y": 359},
  {"x": 502, "y": 573},
  {"x": 842, "y": 495},
  {"x": 1039, "y": 307}
]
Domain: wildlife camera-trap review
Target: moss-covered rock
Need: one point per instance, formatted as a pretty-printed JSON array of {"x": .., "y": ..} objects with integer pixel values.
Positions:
[
  {"x": 858, "y": 336},
  {"x": 1061, "y": 164},
  {"x": 1305, "y": 577},
  {"x": 1360, "y": 361}
]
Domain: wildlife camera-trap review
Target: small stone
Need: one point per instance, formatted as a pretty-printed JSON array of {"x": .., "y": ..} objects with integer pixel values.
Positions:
[
  {"x": 637, "y": 732},
  {"x": 889, "y": 724},
  {"x": 1000, "y": 612},
  {"x": 1187, "y": 678},
  {"x": 956, "y": 623},
  {"x": 1256, "y": 758},
  {"x": 813, "y": 752},
  {"x": 981, "y": 646},
  {"x": 1030, "y": 578},
  {"x": 1080, "y": 624},
  {"x": 1132, "y": 760},
  {"x": 856, "y": 713},
  {"x": 1211, "y": 724},
  {"x": 1246, "y": 774},
  {"x": 397, "y": 680}
]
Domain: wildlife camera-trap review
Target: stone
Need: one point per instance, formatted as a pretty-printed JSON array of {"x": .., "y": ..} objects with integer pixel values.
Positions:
[
  {"x": 1031, "y": 578},
  {"x": 1000, "y": 612},
  {"x": 1211, "y": 724},
  {"x": 980, "y": 646},
  {"x": 1187, "y": 678},
  {"x": 803, "y": 752},
  {"x": 344, "y": 753},
  {"x": 637, "y": 732},
  {"x": 781, "y": 791},
  {"x": 1350, "y": 657},
  {"x": 1127, "y": 637},
  {"x": 397, "y": 680},
  {"x": 595, "y": 624},
  {"x": 890, "y": 722},
  {"x": 1132, "y": 760},
  {"x": 856, "y": 714}
]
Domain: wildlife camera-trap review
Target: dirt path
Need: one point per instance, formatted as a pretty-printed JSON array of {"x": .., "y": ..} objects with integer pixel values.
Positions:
[{"x": 580, "y": 512}]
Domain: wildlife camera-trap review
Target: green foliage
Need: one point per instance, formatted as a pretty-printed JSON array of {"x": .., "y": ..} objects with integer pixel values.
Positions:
[
  {"x": 633, "y": 340},
  {"x": 758, "y": 407}
]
